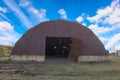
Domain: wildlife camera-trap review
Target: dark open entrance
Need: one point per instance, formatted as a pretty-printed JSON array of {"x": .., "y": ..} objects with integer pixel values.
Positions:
[{"x": 58, "y": 47}]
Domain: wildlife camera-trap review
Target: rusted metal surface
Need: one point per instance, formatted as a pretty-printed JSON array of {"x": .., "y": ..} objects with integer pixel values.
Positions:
[
  {"x": 34, "y": 40},
  {"x": 74, "y": 55}
]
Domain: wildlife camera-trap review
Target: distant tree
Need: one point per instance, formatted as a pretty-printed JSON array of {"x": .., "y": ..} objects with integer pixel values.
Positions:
[
  {"x": 1, "y": 52},
  {"x": 5, "y": 51}
]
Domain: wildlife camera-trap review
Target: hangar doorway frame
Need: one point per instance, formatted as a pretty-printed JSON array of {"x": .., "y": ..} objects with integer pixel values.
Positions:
[
  {"x": 72, "y": 44},
  {"x": 58, "y": 47}
]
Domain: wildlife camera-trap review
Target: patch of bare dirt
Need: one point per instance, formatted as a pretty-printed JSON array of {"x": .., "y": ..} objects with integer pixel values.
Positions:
[{"x": 11, "y": 69}]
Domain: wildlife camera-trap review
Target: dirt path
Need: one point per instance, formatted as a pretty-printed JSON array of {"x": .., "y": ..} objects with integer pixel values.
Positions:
[{"x": 55, "y": 61}]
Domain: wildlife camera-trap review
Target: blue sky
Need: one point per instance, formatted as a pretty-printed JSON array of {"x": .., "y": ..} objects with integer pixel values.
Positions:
[{"x": 101, "y": 16}]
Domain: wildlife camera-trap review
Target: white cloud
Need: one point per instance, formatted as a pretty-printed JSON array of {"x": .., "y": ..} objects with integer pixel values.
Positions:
[
  {"x": 117, "y": 47},
  {"x": 115, "y": 26},
  {"x": 24, "y": 3},
  {"x": 4, "y": 26},
  {"x": 18, "y": 12},
  {"x": 2, "y": 13},
  {"x": 99, "y": 30},
  {"x": 84, "y": 24},
  {"x": 4, "y": 10},
  {"x": 79, "y": 19},
  {"x": 40, "y": 15},
  {"x": 113, "y": 40},
  {"x": 109, "y": 14},
  {"x": 63, "y": 14},
  {"x": 8, "y": 36},
  {"x": 100, "y": 14},
  {"x": 103, "y": 39},
  {"x": 114, "y": 17},
  {"x": 4, "y": 17}
]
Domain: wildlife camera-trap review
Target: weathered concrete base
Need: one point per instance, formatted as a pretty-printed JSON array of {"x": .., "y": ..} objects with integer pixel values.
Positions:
[
  {"x": 27, "y": 57},
  {"x": 42, "y": 58},
  {"x": 92, "y": 58}
]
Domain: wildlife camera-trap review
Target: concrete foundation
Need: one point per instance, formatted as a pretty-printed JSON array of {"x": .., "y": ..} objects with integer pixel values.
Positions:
[
  {"x": 92, "y": 58},
  {"x": 42, "y": 58},
  {"x": 27, "y": 57}
]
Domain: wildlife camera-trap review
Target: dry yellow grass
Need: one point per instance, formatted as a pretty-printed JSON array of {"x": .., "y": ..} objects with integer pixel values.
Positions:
[{"x": 65, "y": 71}]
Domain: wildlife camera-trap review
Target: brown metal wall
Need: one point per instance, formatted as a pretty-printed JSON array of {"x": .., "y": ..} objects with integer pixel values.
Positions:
[
  {"x": 75, "y": 49},
  {"x": 33, "y": 41}
]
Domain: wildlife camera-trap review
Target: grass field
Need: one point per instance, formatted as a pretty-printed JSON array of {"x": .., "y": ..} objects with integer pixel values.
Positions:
[{"x": 65, "y": 71}]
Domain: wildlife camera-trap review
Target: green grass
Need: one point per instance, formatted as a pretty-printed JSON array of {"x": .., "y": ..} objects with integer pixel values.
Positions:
[
  {"x": 4, "y": 58},
  {"x": 66, "y": 71}
]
